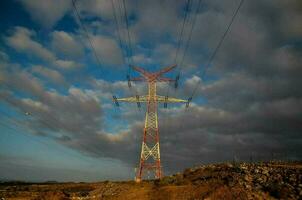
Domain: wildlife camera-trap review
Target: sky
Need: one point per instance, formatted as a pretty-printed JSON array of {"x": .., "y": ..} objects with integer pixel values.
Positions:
[{"x": 58, "y": 74}]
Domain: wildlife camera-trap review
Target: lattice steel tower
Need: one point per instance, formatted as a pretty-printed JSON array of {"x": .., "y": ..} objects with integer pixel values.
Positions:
[{"x": 150, "y": 153}]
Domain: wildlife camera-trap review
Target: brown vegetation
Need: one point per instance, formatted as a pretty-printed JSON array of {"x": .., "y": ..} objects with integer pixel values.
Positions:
[{"x": 218, "y": 181}]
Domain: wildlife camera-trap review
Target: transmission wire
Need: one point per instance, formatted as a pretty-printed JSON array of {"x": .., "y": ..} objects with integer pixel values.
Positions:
[
  {"x": 118, "y": 30},
  {"x": 86, "y": 32},
  {"x": 217, "y": 48},
  {"x": 126, "y": 59},
  {"x": 82, "y": 26},
  {"x": 190, "y": 36},
  {"x": 188, "y": 6},
  {"x": 129, "y": 47},
  {"x": 128, "y": 32}
]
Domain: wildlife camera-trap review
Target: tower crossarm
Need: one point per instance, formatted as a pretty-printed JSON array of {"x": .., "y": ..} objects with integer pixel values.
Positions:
[
  {"x": 165, "y": 99},
  {"x": 134, "y": 99},
  {"x": 166, "y": 69},
  {"x": 144, "y": 99},
  {"x": 152, "y": 76}
]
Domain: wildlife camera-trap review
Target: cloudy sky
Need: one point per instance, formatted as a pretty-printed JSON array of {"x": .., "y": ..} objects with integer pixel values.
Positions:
[{"x": 58, "y": 75}]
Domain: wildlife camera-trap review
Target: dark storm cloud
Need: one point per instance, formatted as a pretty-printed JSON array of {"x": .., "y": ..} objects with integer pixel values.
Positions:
[
  {"x": 206, "y": 134},
  {"x": 254, "y": 108}
]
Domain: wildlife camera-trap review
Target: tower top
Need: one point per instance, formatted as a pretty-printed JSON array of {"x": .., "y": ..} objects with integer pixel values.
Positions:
[{"x": 152, "y": 76}]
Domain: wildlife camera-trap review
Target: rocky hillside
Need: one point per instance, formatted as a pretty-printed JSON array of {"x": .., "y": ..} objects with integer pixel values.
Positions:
[{"x": 274, "y": 180}]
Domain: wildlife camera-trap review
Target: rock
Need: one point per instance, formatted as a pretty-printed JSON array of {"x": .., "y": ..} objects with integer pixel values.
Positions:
[
  {"x": 248, "y": 178},
  {"x": 265, "y": 172},
  {"x": 229, "y": 165},
  {"x": 292, "y": 178},
  {"x": 243, "y": 167},
  {"x": 247, "y": 186}
]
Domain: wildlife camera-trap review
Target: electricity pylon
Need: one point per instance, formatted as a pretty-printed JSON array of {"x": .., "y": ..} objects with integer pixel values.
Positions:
[{"x": 150, "y": 153}]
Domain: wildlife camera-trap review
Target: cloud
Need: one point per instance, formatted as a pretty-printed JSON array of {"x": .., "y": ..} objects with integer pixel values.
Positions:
[
  {"x": 62, "y": 110},
  {"x": 67, "y": 64},
  {"x": 3, "y": 56},
  {"x": 21, "y": 40},
  {"x": 66, "y": 45},
  {"x": 96, "y": 8},
  {"x": 204, "y": 134},
  {"x": 107, "y": 49},
  {"x": 155, "y": 20},
  {"x": 74, "y": 119},
  {"x": 16, "y": 79},
  {"x": 51, "y": 74},
  {"x": 31, "y": 105},
  {"x": 142, "y": 59},
  {"x": 46, "y": 13}
]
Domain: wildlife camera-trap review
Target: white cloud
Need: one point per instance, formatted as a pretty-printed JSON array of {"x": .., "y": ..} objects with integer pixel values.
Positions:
[
  {"x": 67, "y": 64},
  {"x": 190, "y": 84},
  {"x": 83, "y": 95},
  {"x": 107, "y": 50},
  {"x": 51, "y": 74},
  {"x": 142, "y": 59},
  {"x": 18, "y": 78},
  {"x": 21, "y": 40},
  {"x": 156, "y": 18},
  {"x": 46, "y": 12},
  {"x": 65, "y": 44},
  {"x": 34, "y": 105}
]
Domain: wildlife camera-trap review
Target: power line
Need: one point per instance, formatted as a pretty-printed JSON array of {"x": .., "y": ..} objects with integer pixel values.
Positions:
[
  {"x": 217, "y": 48},
  {"x": 122, "y": 18},
  {"x": 187, "y": 15},
  {"x": 189, "y": 4},
  {"x": 118, "y": 30},
  {"x": 190, "y": 35},
  {"x": 86, "y": 32},
  {"x": 128, "y": 32},
  {"x": 129, "y": 48},
  {"x": 126, "y": 59},
  {"x": 122, "y": 9},
  {"x": 81, "y": 24},
  {"x": 188, "y": 7}
]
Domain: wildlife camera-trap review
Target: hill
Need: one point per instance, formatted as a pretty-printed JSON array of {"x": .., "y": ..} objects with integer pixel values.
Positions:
[{"x": 272, "y": 180}]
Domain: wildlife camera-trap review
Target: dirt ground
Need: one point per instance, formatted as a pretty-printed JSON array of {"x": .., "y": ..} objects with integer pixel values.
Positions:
[{"x": 273, "y": 180}]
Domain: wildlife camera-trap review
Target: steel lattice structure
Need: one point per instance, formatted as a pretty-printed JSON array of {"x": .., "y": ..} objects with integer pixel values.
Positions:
[{"x": 150, "y": 152}]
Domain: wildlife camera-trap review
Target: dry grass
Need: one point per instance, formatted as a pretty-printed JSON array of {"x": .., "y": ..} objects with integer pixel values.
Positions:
[{"x": 220, "y": 181}]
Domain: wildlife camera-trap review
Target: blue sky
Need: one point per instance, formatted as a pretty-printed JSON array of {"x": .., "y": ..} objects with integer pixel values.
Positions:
[{"x": 57, "y": 117}]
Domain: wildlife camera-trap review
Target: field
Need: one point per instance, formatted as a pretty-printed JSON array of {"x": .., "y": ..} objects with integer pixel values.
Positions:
[{"x": 271, "y": 180}]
